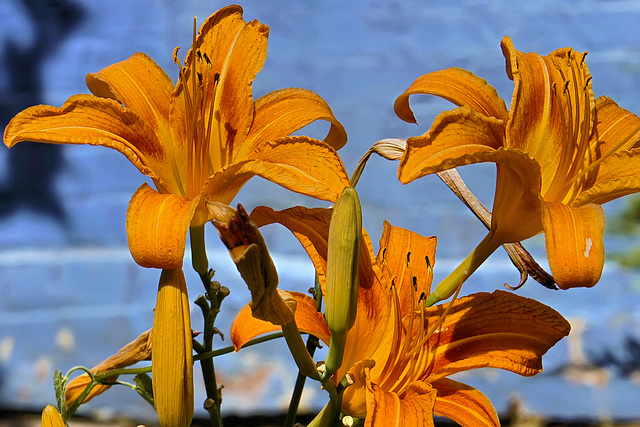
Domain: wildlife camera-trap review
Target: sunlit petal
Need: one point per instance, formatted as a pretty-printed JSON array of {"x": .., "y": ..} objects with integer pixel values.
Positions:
[
  {"x": 415, "y": 408},
  {"x": 574, "y": 241},
  {"x": 245, "y": 327},
  {"x": 139, "y": 84},
  {"x": 299, "y": 164},
  {"x": 86, "y": 119},
  {"x": 464, "y": 404},
  {"x": 551, "y": 108},
  {"x": 236, "y": 51},
  {"x": 285, "y": 111},
  {"x": 617, "y": 176},
  {"x": 157, "y": 226},
  {"x": 456, "y": 138},
  {"x": 410, "y": 257},
  {"x": 499, "y": 330},
  {"x": 458, "y": 86},
  {"x": 616, "y": 129}
]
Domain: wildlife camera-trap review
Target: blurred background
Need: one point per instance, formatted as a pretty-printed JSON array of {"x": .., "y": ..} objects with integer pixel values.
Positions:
[{"x": 70, "y": 293}]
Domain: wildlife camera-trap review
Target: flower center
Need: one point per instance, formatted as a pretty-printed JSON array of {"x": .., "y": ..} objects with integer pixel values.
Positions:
[
  {"x": 410, "y": 355},
  {"x": 573, "y": 103}
]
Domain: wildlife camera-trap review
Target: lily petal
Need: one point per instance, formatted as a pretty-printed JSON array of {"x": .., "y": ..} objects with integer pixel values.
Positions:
[
  {"x": 300, "y": 164},
  {"x": 574, "y": 241},
  {"x": 499, "y": 330},
  {"x": 516, "y": 206},
  {"x": 245, "y": 327},
  {"x": 414, "y": 408},
  {"x": 140, "y": 85},
  {"x": 87, "y": 119},
  {"x": 172, "y": 356},
  {"x": 617, "y": 176},
  {"x": 458, "y": 86},
  {"x": 237, "y": 51},
  {"x": 456, "y": 138},
  {"x": 157, "y": 227},
  {"x": 464, "y": 404},
  {"x": 311, "y": 228},
  {"x": 410, "y": 257},
  {"x": 551, "y": 108},
  {"x": 285, "y": 111},
  {"x": 616, "y": 128}
]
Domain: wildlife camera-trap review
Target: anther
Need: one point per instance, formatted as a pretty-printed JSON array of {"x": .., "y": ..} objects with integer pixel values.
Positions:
[
  {"x": 206, "y": 59},
  {"x": 414, "y": 279}
]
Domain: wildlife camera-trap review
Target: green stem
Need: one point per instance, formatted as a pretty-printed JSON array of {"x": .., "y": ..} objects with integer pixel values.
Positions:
[
  {"x": 210, "y": 311},
  {"x": 312, "y": 344},
  {"x": 450, "y": 284},
  {"x": 298, "y": 350},
  {"x": 230, "y": 349},
  {"x": 199, "y": 259}
]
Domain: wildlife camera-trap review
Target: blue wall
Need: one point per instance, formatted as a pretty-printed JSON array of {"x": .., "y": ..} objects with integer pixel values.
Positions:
[{"x": 69, "y": 291}]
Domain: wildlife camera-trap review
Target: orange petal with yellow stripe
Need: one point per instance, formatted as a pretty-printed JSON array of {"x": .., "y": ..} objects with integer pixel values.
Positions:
[{"x": 157, "y": 226}]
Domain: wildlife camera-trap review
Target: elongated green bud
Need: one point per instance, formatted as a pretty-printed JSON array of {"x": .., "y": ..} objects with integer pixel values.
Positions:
[{"x": 341, "y": 299}]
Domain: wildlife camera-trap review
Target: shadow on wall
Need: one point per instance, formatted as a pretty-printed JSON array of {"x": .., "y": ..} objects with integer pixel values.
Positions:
[{"x": 32, "y": 167}]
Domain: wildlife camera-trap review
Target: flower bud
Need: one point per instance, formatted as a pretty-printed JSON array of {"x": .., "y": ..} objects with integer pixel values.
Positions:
[
  {"x": 172, "y": 352},
  {"x": 341, "y": 299},
  {"x": 251, "y": 256},
  {"x": 134, "y": 352},
  {"x": 51, "y": 417}
]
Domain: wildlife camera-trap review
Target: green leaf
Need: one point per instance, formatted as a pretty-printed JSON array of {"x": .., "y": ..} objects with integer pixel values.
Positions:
[
  {"x": 144, "y": 387},
  {"x": 60, "y": 385}
]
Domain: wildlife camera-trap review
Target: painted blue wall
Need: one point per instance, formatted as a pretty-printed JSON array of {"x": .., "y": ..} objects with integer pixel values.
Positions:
[{"x": 69, "y": 291}]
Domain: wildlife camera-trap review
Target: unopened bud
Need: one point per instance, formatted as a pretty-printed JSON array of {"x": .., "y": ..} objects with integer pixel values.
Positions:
[
  {"x": 51, "y": 417},
  {"x": 251, "y": 256},
  {"x": 341, "y": 299}
]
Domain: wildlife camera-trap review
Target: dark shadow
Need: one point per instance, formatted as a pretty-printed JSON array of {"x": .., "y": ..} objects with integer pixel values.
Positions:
[
  {"x": 625, "y": 361},
  {"x": 32, "y": 167}
]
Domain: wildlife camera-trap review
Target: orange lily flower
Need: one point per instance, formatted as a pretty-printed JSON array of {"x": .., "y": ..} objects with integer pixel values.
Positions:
[
  {"x": 201, "y": 139},
  {"x": 560, "y": 154},
  {"x": 400, "y": 352}
]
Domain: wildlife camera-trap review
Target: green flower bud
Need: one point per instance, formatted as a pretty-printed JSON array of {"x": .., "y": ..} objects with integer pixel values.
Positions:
[{"x": 341, "y": 299}]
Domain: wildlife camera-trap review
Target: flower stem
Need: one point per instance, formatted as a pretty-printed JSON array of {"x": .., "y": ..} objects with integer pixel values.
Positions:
[
  {"x": 448, "y": 286},
  {"x": 210, "y": 306},
  {"x": 312, "y": 344}
]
